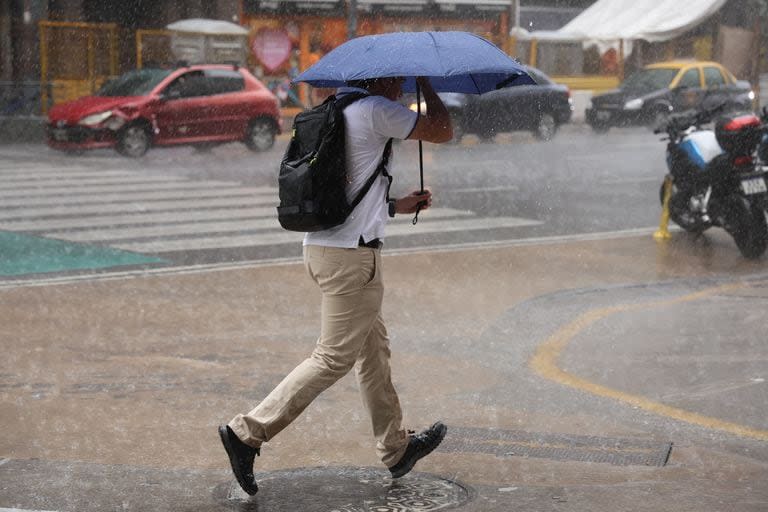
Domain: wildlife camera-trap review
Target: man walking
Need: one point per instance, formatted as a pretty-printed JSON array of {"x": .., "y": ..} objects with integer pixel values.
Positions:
[{"x": 345, "y": 262}]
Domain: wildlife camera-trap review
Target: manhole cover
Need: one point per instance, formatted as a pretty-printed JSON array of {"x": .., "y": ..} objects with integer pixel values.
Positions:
[{"x": 345, "y": 490}]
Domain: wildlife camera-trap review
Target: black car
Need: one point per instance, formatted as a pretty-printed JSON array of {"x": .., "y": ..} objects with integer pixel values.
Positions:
[
  {"x": 648, "y": 96},
  {"x": 540, "y": 109}
]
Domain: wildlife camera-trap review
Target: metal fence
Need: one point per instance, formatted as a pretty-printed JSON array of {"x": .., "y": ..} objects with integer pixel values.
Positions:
[{"x": 75, "y": 59}]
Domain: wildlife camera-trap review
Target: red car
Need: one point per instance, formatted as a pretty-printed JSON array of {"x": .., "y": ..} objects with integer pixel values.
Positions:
[{"x": 198, "y": 105}]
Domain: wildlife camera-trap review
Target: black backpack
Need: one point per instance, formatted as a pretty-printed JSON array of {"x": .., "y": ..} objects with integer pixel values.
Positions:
[{"x": 313, "y": 172}]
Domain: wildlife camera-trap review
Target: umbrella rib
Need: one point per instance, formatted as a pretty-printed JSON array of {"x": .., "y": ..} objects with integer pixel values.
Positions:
[
  {"x": 472, "y": 76},
  {"x": 437, "y": 53}
]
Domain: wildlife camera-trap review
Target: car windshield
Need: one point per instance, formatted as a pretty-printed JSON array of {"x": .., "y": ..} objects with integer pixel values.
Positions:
[
  {"x": 648, "y": 80},
  {"x": 538, "y": 77},
  {"x": 134, "y": 83}
]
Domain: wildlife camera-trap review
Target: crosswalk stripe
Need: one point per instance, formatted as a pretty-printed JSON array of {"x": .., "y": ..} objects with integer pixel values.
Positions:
[
  {"x": 179, "y": 205},
  {"x": 127, "y": 197},
  {"x": 205, "y": 226},
  {"x": 23, "y": 510},
  {"x": 57, "y": 173},
  {"x": 119, "y": 183},
  {"x": 22, "y": 183},
  {"x": 282, "y": 237},
  {"x": 51, "y": 225},
  {"x": 132, "y": 189},
  {"x": 188, "y": 228}
]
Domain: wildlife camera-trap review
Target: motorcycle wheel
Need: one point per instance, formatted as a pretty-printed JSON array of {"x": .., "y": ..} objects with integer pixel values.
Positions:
[
  {"x": 747, "y": 225},
  {"x": 681, "y": 216}
]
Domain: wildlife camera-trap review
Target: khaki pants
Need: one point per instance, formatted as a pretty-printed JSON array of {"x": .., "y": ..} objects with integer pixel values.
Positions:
[{"x": 352, "y": 334}]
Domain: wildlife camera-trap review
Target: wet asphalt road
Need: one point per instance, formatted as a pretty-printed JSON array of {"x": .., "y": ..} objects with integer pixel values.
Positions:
[{"x": 597, "y": 373}]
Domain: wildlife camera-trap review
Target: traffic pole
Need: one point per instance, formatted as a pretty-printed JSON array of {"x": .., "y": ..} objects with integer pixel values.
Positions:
[{"x": 663, "y": 232}]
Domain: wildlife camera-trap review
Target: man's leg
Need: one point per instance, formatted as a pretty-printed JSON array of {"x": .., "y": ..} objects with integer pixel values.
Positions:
[
  {"x": 379, "y": 395},
  {"x": 352, "y": 295}
]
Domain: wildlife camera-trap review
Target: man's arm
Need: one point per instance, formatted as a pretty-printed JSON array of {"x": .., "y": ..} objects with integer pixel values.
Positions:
[{"x": 435, "y": 126}]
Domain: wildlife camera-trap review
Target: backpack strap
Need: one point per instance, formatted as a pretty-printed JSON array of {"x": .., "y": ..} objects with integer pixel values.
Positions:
[
  {"x": 342, "y": 103},
  {"x": 347, "y": 99},
  {"x": 380, "y": 169}
]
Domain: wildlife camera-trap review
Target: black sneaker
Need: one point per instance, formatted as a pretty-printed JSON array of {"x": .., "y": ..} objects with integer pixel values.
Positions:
[
  {"x": 419, "y": 445},
  {"x": 241, "y": 458}
]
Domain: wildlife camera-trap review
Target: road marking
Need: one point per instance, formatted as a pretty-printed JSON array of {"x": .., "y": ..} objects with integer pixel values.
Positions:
[
  {"x": 87, "y": 180},
  {"x": 620, "y": 181},
  {"x": 484, "y": 190},
  {"x": 180, "y": 205},
  {"x": 545, "y": 363},
  {"x": 167, "y": 230},
  {"x": 23, "y": 510},
  {"x": 284, "y": 237},
  {"x": 235, "y": 191},
  {"x": 128, "y": 186},
  {"x": 210, "y": 222},
  {"x": 52, "y": 226},
  {"x": 57, "y": 173}
]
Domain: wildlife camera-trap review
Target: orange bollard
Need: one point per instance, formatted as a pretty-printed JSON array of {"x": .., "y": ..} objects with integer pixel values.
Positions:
[{"x": 663, "y": 232}]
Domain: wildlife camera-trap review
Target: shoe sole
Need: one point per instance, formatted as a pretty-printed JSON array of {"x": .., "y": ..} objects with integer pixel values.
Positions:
[
  {"x": 407, "y": 469},
  {"x": 246, "y": 486}
]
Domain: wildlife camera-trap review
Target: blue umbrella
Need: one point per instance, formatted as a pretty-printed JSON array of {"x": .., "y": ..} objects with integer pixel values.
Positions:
[{"x": 453, "y": 61}]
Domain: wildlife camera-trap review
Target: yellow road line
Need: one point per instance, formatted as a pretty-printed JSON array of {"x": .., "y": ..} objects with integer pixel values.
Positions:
[{"x": 545, "y": 363}]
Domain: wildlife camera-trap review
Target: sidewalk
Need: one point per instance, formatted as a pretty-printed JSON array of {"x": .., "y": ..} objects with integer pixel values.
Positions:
[{"x": 550, "y": 363}]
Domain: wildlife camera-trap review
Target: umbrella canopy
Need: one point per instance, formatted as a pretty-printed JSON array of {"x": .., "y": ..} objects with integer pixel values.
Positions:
[{"x": 453, "y": 61}]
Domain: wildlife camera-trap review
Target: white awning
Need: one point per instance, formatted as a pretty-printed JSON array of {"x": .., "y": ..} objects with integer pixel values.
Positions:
[
  {"x": 608, "y": 21},
  {"x": 205, "y": 26}
]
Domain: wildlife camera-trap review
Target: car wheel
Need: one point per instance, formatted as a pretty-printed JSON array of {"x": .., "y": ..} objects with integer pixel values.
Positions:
[
  {"x": 261, "y": 135},
  {"x": 659, "y": 119},
  {"x": 133, "y": 141},
  {"x": 545, "y": 127}
]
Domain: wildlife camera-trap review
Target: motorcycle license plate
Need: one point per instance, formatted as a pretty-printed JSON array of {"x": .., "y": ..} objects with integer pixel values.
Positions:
[
  {"x": 603, "y": 115},
  {"x": 754, "y": 186}
]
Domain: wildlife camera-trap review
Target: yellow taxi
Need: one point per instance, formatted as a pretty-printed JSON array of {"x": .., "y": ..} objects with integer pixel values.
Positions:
[{"x": 652, "y": 93}]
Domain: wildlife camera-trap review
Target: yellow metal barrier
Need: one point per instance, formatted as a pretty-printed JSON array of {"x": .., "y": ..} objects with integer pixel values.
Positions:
[
  {"x": 75, "y": 59},
  {"x": 663, "y": 232},
  {"x": 596, "y": 83},
  {"x": 152, "y": 46}
]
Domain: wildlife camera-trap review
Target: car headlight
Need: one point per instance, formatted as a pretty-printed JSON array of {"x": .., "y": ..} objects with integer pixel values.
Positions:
[
  {"x": 635, "y": 104},
  {"x": 751, "y": 95},
  {"x": 94, "y": 119},
  {"x": 415, "y": 107}
]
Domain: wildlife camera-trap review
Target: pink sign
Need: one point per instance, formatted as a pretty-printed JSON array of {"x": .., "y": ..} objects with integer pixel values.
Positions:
[{"x": 272, "y": 47}]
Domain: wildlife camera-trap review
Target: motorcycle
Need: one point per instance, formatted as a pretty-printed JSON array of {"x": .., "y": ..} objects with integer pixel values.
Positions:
[
  {"x": 714, "y": 178},
  {"x": 762, "y": 148}
]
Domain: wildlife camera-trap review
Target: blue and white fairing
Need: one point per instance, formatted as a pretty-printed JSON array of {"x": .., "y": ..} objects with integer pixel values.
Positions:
[{"x": 700, "y": 147}]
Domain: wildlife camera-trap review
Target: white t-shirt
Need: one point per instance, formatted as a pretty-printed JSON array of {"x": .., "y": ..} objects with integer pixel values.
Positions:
[{"x": 370, "y": 123}]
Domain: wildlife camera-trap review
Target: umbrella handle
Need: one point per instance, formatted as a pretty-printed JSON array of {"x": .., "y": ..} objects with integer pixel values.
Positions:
[{"x": 421, "y": 155}]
